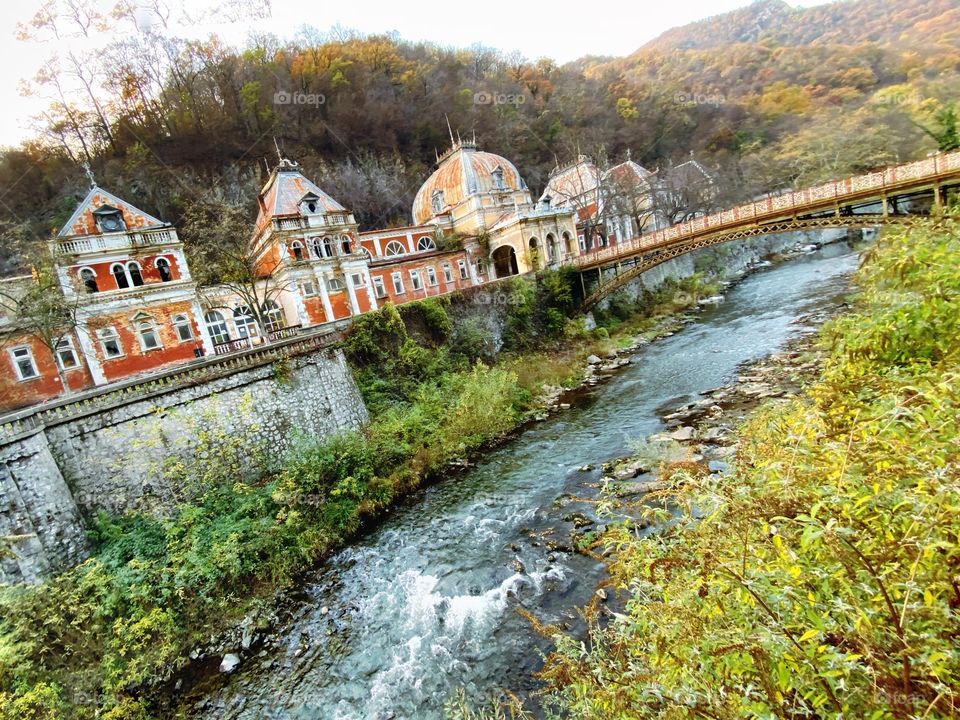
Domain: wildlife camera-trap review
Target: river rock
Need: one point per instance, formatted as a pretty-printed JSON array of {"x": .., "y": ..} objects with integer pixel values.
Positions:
[
  {"x": 594, "y": 360},
  {"x": 683, "y": 434},
  {"x": 229, "y": 663}
]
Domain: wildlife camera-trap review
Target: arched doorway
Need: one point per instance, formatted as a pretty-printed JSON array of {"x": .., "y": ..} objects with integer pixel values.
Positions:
[
  {"x": 552, "y": 253},
  {"x": 505, "y": 261},
  {"x": 534, "y": 253}
]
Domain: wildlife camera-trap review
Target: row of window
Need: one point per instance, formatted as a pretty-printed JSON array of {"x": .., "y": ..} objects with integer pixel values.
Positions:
[
  {"x": 324, "y": 247},
  {"x": 416, "y": 279},
  {"x": 244, "y": 322},
  {"x": 26, "y": 366},
  {"x": 147, "y": 333},
  {"x": 125, "y": 275}
]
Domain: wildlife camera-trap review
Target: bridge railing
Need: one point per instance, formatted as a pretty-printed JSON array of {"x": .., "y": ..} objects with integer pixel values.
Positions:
[{"x": 770, "y": 207}]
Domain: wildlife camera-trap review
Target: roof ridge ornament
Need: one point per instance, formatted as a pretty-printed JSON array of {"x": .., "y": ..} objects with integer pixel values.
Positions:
[{"x": 89, "y": 173}]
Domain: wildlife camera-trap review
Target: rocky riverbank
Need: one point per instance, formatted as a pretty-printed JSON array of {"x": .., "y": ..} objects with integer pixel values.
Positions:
[{"x": 253, "y": 642}]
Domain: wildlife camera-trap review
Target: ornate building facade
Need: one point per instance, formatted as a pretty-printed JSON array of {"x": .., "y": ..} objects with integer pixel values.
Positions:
[{"x": 139, "y": 311}]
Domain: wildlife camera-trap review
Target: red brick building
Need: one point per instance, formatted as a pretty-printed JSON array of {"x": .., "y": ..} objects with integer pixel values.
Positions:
[{"x": 139, "y": 311}]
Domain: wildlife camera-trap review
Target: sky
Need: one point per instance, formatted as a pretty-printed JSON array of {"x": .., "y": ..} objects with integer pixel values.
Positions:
[{"x": 558, "y": 30}]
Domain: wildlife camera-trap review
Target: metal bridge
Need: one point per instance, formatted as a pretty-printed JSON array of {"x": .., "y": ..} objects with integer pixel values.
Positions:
[{"x": 867, "y": 200}]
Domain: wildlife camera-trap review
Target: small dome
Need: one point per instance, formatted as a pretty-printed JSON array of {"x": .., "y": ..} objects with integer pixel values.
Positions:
[{"x": 464, "y": 171}]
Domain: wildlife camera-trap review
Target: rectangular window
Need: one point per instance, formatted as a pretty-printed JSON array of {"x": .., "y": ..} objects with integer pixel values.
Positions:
[
  {"x": 309, "y": 288},
  {"x": 397, "y": 283},
  {"x": 378, "y": 288},
  {"x": 415, "y": 280},
  {"x": 23, "y": 362},
  {"x": 148, "y": 337},
  {"x": 447, "y": 273},
  {"x": 184, "y": 331},
  {"x": 462, "y": 264},
  {"x": 583, "y": 243},
  {"x": 481, "y": 267},
  {"x": 66, "y": 357},
  {"x": 357, "y": 280},
  {"x": 431, "y": 276},
  {"x": 110, "y": 342}
]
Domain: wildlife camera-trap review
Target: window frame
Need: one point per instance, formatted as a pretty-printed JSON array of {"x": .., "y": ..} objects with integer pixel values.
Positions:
[
  {"x": 57, "y": 354},
  {"x": 179, "y": 321},
  {"x": 379, "y": 287},
  {"x": 162, "y": 260},
  {"x": 416, "y": 282},
  {"x": 447, "y": 273},
  {"x": 309, "y": 288},
  {"x": 144, "y": 328},
  {"x": 397, "y": 243},
  {"x": 106, "y": 335},
  {"x": 30, "y": 359},
  {"x": 462, "y": 267},
  {"x": 223, "y": 321},
  {"x": 431, "y": 276},
  {"x": 397, "y": 278}
]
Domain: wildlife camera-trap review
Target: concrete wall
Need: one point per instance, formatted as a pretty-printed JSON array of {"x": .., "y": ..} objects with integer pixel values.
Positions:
[
  {"x": 729, "y": 260},
  {"x": 119, "y": 458}
]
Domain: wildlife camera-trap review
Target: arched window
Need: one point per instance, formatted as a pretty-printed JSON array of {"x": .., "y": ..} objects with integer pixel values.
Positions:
[
  {"x": 394, "y": 248},
  {"x": 335, "y": 283},
  {"x": 120, "y": 275},
  {"x": 327, "y": 247},
  {"x": 136, "y": 278},
  {"x": 245, "y": 322},
  {"x": 183, "y": 328},
  {"x": 109, "y": 342},
  {"x": 366, "y": 253},
  {"x": 426, "y": 243},
  {"x": 147, "y": 332},
  {"x": 567, "y": 244},
  {"x": 551, "y": 248},
  {"x": 89, "y": 279},
  {"x": 217, "y": 327},
  {"x": 296, "y": 247},
  {"x": 345, "y": 248},
  {"x": 316, "y": 247},
  {"x": 163, "y": 268},
  {"x": 273, "y": 316}
]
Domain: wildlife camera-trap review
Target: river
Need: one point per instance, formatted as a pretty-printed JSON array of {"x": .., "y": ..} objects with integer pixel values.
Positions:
[{"x": 425, "y": 604}]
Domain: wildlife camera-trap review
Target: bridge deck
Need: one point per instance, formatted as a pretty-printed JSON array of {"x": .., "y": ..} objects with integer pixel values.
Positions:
[{"x": 785, "y": 212}]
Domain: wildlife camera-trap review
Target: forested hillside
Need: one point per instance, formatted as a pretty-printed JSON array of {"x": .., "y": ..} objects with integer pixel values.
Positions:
[{"x": 769, "y": 96}]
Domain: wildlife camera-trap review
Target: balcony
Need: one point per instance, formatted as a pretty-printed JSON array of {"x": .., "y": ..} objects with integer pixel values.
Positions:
[{"x": 114, "y": 241}]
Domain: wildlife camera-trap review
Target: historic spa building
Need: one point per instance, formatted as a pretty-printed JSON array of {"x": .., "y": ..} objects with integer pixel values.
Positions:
[{"x": 139, "y": 310}]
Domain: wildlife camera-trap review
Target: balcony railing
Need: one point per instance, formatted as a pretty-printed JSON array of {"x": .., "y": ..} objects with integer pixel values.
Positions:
[
  {"x": 114, "y": 241},
  {"x": 230, "y": 346}
]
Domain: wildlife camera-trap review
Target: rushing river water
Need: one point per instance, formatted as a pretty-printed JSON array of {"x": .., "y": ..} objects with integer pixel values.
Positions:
[{"x": 426, "y": 603}]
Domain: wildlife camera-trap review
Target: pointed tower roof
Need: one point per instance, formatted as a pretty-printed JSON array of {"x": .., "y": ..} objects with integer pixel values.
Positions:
[
  {"x": 286, "y": 188},
  {"x": 83, "y": 221}
]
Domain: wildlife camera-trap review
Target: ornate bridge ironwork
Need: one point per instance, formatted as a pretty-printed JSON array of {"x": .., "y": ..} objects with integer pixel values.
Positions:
[{"x": 862, "y": 201}]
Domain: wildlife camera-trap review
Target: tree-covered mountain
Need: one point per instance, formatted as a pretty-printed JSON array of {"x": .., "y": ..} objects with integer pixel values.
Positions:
[
  {"x": 767, "y": 95},
  {"x": 906, "y": 24}
]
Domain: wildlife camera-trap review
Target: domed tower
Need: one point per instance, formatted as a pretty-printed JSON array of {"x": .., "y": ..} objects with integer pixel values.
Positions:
[
  {"x": 470, "y": 190},
  {"x": 481, "y": 196}
]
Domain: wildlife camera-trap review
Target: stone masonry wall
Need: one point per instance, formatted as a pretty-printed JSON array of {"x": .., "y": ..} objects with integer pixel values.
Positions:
[{"x": 118, "y": 459}]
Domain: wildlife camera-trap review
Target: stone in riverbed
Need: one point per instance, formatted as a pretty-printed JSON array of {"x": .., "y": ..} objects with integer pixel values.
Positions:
[
  {"x": 594, "y": 360},
  {"x": 683, "y": 434}
]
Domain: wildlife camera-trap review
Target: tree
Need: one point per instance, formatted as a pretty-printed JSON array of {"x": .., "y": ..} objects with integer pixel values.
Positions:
[
  {"x": 947, "y": 135},
  {"x": 216, "y": 234}
]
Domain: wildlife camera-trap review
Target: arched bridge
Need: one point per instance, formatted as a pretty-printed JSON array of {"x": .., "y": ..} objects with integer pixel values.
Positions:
[{"x": 861, "y": 201}]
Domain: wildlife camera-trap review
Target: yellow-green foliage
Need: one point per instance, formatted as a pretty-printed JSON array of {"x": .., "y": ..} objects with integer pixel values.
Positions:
[{"x": 821, "y": 579}]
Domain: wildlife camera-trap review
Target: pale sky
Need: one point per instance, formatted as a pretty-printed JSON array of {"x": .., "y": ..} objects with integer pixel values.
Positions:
[{"x": 561, "y": 30}]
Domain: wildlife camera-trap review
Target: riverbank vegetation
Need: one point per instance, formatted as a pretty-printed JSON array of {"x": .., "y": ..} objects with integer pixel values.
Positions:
[
  {"x": 819, "y": 579},
  {"x": 102, "y": 639}
]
